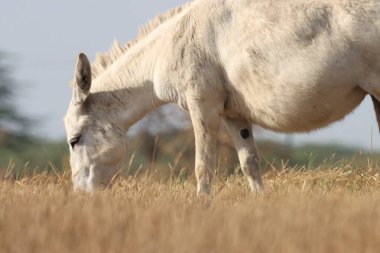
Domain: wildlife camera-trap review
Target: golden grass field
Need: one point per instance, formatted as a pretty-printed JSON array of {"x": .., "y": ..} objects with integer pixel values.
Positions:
[{"x": 322, "y": 210}]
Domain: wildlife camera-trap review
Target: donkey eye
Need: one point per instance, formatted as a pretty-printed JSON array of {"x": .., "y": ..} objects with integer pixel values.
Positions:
[{"x": 74, "y": 141}]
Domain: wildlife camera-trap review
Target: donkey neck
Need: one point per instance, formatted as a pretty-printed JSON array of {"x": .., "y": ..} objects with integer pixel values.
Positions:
[{"x": 127, "y": 86}]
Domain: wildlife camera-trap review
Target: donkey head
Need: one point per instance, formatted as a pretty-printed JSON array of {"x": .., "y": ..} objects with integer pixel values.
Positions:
[{"x": 97, "y": 139}]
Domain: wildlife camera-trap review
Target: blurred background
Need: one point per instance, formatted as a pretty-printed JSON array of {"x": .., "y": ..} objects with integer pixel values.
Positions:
[{"x": 39, "y": 44}]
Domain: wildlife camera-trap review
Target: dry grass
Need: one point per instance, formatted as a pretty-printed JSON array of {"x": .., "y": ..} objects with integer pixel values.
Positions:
[{"x": 333, "y": 210}]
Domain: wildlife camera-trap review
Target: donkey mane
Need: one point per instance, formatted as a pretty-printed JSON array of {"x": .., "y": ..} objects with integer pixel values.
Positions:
[{"x": 105, "y": 60}]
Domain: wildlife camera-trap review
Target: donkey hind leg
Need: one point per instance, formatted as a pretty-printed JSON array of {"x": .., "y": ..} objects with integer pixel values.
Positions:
[
  {"x": 241, "y": 134},
  {"x": 206, "y": 118},
  {"x": 376, "y": 105}
]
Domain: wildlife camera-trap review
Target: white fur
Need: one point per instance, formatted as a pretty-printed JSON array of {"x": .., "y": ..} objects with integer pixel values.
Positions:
[{"x": 289, "y": 66}]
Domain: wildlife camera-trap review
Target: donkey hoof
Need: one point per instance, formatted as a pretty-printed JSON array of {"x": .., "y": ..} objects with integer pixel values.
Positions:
[{"x": 203, "y": 189}]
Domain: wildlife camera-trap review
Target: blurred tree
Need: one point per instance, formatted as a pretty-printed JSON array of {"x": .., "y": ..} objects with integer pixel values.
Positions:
[
  {"x": 16, "y": 142},
  {"x": 10, "y": 118}
]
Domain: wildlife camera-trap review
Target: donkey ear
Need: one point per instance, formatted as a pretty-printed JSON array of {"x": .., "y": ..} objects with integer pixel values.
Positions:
[{"x": 83, "y": 74}]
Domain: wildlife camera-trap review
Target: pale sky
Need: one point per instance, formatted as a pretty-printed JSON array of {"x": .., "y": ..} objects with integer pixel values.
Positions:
[{"x": 45, "y": 37}]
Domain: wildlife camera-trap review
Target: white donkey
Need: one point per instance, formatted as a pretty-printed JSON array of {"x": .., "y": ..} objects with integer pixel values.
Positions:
[{"x": 288, "y": 66}]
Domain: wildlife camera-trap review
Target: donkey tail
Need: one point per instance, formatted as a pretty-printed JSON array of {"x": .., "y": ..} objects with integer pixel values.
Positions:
[{"x": 376, "y": 105}]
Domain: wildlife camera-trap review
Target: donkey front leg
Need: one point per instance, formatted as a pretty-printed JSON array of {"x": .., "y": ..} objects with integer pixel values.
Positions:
[
  {"x": 206, "y": 115},
  {"x": 241, "y": 134}
]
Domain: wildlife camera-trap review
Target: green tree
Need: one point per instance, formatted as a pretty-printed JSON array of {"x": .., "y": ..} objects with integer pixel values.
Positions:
[{"x": 10, "y": 119}]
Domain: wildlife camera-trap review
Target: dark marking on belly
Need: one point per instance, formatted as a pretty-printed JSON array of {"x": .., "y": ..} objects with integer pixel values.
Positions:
[
  {"x": 244, "y": 133},
  {"x": 317, "y": 22}
]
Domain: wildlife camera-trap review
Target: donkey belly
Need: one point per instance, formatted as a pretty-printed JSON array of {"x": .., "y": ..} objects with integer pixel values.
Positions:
[
  {"x": 297, "y": 110},
  {"x": 289, "y": 67}
]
